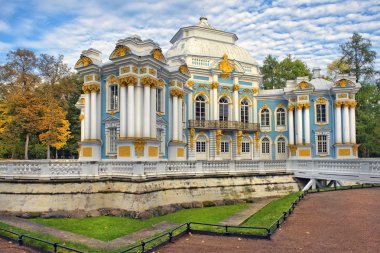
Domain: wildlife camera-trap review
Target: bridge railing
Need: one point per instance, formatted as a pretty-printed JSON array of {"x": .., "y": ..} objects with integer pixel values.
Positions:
[
  {"x": 358, "y": 170},
  {"x": 66, "y": 169}
]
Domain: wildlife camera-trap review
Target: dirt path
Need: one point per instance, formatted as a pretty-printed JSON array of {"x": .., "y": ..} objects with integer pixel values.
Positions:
[
  {"x": 7, "y": 246},
  {"x": 341, "y": 221}
]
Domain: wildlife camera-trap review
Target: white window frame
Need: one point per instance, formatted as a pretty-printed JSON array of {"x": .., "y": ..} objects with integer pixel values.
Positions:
[
  {"x": 108, "y": 97},
  {"x": 204, "y": 102},
  {"x": 225, "y": 105},
  {"x": 281, "y": 127},
  {"x": 266, "y": 156},
  {"x": 282, "y": 155},
  {"x": 320, "y": 142},
  {"x": 247, "y": 108},
  {"x": 265, "y": 128},
  {"x": 108, "y": 137},
  {"x": 326, "y": 103}
]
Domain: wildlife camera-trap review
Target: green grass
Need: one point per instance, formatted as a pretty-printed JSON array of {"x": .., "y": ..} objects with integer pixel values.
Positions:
[
  {"x": 270, "y": 213},
  {"x": 107, "y": 228}
]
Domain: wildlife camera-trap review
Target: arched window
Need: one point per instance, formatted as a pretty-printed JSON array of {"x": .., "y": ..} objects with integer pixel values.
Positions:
[
  {"x": 200, "y": 108},
  {"x": 113, "y": 97},
  {"x": 223, "y": 109},
  {"x": 265, "y": 118},
  {"x": 244, "y": 111},
  {"x": 201, "y": 144},
  {"x": 245, "y": 145},
  {"x": 265, "y": 146},
  {"x": 321, "y": 113},
  {"x": 280, "y": 117},
  {"x": 281, "y": 145}
]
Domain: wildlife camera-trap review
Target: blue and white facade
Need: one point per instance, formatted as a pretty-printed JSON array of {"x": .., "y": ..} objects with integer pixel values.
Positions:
[{"x": 203, "y": 101}]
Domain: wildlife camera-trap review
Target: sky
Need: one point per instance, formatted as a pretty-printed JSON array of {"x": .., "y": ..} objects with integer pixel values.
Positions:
[{"x": 309, "y": 30}]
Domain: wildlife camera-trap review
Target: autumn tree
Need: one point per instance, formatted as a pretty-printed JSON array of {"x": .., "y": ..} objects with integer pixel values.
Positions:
[
  {"x": 338, "y": 66},
  {"x": 359, "y": 56}
]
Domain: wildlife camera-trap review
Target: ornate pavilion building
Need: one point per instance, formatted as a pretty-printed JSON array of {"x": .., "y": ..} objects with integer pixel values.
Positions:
[{"x": 203, "y": 101}]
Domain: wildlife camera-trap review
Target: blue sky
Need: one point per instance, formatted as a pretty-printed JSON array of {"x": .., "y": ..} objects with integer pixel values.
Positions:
[{"x": 310, "y": 30}]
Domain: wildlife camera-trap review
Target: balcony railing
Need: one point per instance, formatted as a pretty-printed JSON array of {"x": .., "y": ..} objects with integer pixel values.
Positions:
[{"x": 227, "y": 125}]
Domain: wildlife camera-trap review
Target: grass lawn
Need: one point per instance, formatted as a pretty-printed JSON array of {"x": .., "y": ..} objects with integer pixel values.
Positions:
[
  {"x": 107, "y": 228},
  {"x": 270, "y": 213}
]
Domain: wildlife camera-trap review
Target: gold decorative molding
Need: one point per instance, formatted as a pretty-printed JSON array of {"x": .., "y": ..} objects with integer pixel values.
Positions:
[
  {"x": 343, "y": 83},
  {"x": 125, "y": 69},
  {"x": 190, "y": 83},
  {"x": 83, "y": 61},
  {"x": 214, "y": 85},
  {"x": 299, "y": 106},
  {"x": 321, "y": 100},
  {"x": 226, "y": 67},
  {"x": 265, "y": 106},
  {"x": 302, "y": 98},
  {"x": 135, "y": 70},
  {"x": 119, "y": 51},
  {"x": 152, "y": 72},
  {"x": 353, "y": 104},
  {"x": 127, "y": 80},
  {"x": 290, "y": 107},
  {"x": 257, "y": 137},
  {"x": 218, "y": 140},
  {"x": 239, "y": 138},
  {"x": 81, "y": 117},
  {"x": 139, "y": 147},
  {"x": 142, "y": 70},
  {"x": 91, "y": 87},
  {"x": 157, "y": 54},
  {"x": 255, "y": 91},
  {"x": 338, "y": 103},
  {"x": 89, "y": 78},
  {"x": 280, "y": 105},
  {"x": 184, "y": 70},
  {"x": 342, "y": 95},
  {"x": 176, "y": 93},
  {"x": 160, "y": 83},
  {"x": 306, "y": 105},
  {"x": 148, "y": 81},
  {"x": 355, "y": 149},
  {"x": 293, "y": 149},
  {"x": 112, "y": 80},
  {"x": 346, "y": 103},
  {"x": 192, "y": 136},
  {"x": 303, "y": 85},
  {"x": 235, "y": 87}
]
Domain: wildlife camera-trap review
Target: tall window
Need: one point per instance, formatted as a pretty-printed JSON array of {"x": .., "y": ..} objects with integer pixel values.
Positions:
[
  {"x": 224, "y": 146},
  {"x": 281, "y": 145},
  {"x": 322, "y": 144},
  {"x": 112, "y": 140},
  {"x": 265, "y": 117},
  {"x": 201, "y": 145},
  {"x": 245, "y": 145},
  {"x": 321, "y": 113},
  {"x": 223, "y": 109},
  {"x": 159, "y": 100},
  {"x": 280, "y": 117},
  {"x": 113, "y": 97},
  {"x": 265, "y": 146},
  {"x": 200, "y": 108},
  {"x": 244, "y": 111}
]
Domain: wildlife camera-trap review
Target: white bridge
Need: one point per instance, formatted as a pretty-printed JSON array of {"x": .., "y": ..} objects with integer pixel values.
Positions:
[{"x": 358, "y": 170}]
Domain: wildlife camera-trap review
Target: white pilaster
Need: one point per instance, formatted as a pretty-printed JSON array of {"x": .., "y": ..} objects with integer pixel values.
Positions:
[
  {"x": 180, "y": 124},
  {"x": 216, "y": 105},
  {"x": 87, "y": 116},
  {"x": 82, "y": 126},
  {"x": 138, "y": 118},
  {"x": 299, "y": 125},
  {"x": 190, "y": 105},
  {"x": 153, "y": 121},
  {"x": 291, "y": 127},
  {"x": 352, "y": 124},
  {"x": 175, "y": 117},
  {"x": 123, "y": 111},
  {"x": 131, "y": 111},
  {"x": 346, "y": 124},
  {"x": 93, "y": 115},
  {"x": 147, "y": 98},
  {"x": 236, "y": 105},
  {"x": 338, "y": 123},
  {"x": 307, "y": 124}
]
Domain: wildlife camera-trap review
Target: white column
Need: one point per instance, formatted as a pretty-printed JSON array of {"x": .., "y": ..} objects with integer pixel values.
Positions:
[
  {"x": 138, "y": 118},
  {"x": 236, "y": 105},
  {"x": 175, "y": 118},
  {"x": 338, "y": 123},
  {"x": 352, "y": 124},
  {"x": 153, "y": 121},
  {"x": 180, "y": 124},
  {"x": 123, "y": 111},
  {"x": 93, "y": 115},
  {"x": 307, "y": 124},
  {"x": 211, "y": 111},
  {"x": 87, "y": 116},
  {"x": 131, "y": 111},
  {"x": 190, "y": 105},
  {"x": 291, "y": 126},
  {"x": 216, "y": 105},
  {"x": 346, "y": 124},
  {"x": 82, "y": 126},
  {"x": 146, "y": 129},
  {"x": 299, "y": 124}
]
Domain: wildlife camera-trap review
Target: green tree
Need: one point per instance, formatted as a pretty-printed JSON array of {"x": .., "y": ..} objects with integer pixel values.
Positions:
[
  {"x": 275, "y": 74},
  {"x": 338, "y": 66},
  {"x": 367, "y": 121},
  {"x": 359, "y": 56}
]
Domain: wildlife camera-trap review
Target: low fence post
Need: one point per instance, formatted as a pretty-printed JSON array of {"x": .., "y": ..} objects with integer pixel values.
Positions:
[
  {"x": 20, "y": 240},
  {"x": 55, "y": 247}
]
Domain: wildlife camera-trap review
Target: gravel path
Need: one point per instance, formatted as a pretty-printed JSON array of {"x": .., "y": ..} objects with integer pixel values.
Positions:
[
  {"x": 7, "y": 246},
  {"x": 340, "y": 221}
]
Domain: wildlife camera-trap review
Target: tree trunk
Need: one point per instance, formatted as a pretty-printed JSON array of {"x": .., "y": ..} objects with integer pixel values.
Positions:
[
  {"x": 26, "y": 147},
  {"x": 48, "y": 152},
  {"x": 56, "y": 153}
]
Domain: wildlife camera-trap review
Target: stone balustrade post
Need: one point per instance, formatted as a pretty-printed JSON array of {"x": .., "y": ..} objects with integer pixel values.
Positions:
[
  {"x": 161, "y": 168},
  {"x": 138, "y": 170},
  {"x": 198, "y": 167}
]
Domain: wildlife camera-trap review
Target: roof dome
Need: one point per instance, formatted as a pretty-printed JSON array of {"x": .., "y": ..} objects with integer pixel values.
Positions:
[{"x": 203, "y": 40}]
